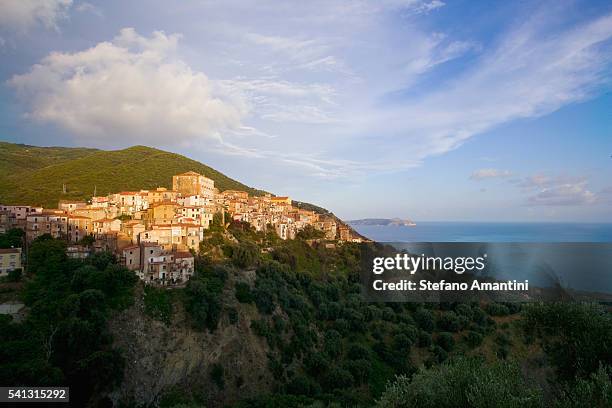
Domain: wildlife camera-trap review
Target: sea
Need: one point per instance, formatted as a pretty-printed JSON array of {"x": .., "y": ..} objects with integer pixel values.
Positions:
[{"x": 488, "y": 232}]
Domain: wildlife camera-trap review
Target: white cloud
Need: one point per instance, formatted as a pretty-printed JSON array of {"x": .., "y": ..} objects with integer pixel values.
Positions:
[
  {"x": 554, "y": 191},
  {"x": 567, "y": 194},
  {"x": 132, "y": 88},
  {"x": 21, "y": 15},
  {"x": 482, "y": 174},
  {"x": 85, "y": 7}
]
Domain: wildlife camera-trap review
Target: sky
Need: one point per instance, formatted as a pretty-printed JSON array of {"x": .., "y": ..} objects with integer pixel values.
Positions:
[{"x": 424, "y": 109}]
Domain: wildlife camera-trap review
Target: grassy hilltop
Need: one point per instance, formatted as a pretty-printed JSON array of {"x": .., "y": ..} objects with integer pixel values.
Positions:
[{"x": 35, "y": 175}]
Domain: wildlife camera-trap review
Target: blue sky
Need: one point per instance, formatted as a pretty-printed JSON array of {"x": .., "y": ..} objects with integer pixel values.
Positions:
[{"x": 426, "y": 109}]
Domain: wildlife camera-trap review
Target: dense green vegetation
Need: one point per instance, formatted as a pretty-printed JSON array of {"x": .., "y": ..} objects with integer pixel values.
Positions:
[
  {"x": 64, "y": 339},
  {"x": 463, "y": 382},
  {"x": 13, "y": 238},
  {"x": 35, "y": 175},
  {"x": 158, "y": 303},
  {"x": 326, "y": 347},
  {"x": 17, "y": 158}
]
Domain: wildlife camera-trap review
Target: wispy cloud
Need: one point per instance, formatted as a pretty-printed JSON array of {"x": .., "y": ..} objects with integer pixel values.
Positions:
[
  {"x": 483, "y": 174},
  {"x": 284, "y": 101},
  {"x": 559, "y": 190},
  {"x": 21, "y": 15},
  {"x": 536, "y": 69},
  {"x": 567, "y": 194}
]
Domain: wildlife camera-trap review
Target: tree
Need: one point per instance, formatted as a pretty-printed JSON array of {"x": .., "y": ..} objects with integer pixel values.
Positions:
[
  {"x": 216, "y": 374},
  {"x": 446, "y": 341},
  {"x": 309, "y": 232},
  {"x": 87, "y": 240},
  {"x": 594, "y": 391},
  {"x": 463, "y": 383},
  {"x": 202, "y": 301},
  {"x": 64, "y": 339},
  {"x": 245, "y": 254},
  {"x": 14, "y": 275},
  {"x": 424, "y": 319},
  {"x": 13, "y": 238},
  {"x": 243, "y": 292},
  {"x": 576, "y": 336}
]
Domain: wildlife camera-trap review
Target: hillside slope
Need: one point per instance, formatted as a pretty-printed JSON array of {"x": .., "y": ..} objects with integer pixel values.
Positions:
[
  {"x": 35, "y": 175},
  {"x": 16, "y": 158}
]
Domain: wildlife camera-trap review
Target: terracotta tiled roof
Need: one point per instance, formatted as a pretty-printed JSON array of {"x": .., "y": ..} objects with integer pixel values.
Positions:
[{"x": 106, "y": 220}]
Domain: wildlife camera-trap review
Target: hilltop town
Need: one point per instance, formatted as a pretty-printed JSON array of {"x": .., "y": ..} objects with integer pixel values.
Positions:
[{"x": 156, "y": 232}]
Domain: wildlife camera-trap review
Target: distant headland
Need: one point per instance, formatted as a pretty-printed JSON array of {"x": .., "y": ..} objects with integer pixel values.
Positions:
[{"x": 383, "y": 222}]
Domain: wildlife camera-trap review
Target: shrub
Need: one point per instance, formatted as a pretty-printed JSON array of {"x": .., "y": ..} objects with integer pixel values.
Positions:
[
  {"x": 333, "y": 343},
  {"x": 232, "y": 315},
  {"x": 13, "y": 238},
  {"x": 216, "y": 374},
  {"x": 302, "y": 385},
  {"x": 463, "y": 309},
  {"x": 358, "y": 351},
  {"x": 264, "y": 299},
  {"x": 576, "y": 336},
  {"x": 446, "y": 341},
  {"x": 243, "y": 292},
  {"x": 260, "y": 327},
  {"x": 14, "y": 275},
  {"x": 424, "y": 339},
  {"x": 473, "y": 339},
  {"x": 497, "y": 309},
  {"x": 402, "y": 343},
  {"x": 337, "y": 377},
  {"x": 360, "y": 369},
  {"x": 158, "y": 303},
  {"x": 245, "y": 254},
  {"x": 202, "y": 301},
  {"x": 449, "y": 321},
  {"x": 463, "y": 383},
  {"x": 594, "y": 391},
  {"x": 424, "y": 319}
]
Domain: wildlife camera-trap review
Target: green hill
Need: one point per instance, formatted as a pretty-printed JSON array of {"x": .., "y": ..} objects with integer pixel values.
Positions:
[
  {"x": 15, "y": 158},
  {"x": 35, "y": 175}
]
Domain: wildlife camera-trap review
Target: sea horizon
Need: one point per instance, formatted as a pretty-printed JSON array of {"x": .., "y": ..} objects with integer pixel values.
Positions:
[{"x": 489, "y": 231}]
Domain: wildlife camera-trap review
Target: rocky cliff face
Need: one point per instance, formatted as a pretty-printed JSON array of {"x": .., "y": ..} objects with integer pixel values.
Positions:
[{"x": 176, "y": 357}]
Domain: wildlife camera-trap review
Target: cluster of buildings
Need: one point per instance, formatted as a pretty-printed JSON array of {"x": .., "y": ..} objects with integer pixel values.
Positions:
[{"x": 154, "y": 231}]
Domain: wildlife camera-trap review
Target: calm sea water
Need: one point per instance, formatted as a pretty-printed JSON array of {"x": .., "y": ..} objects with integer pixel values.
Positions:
[{"x": 489, "y": 232}]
